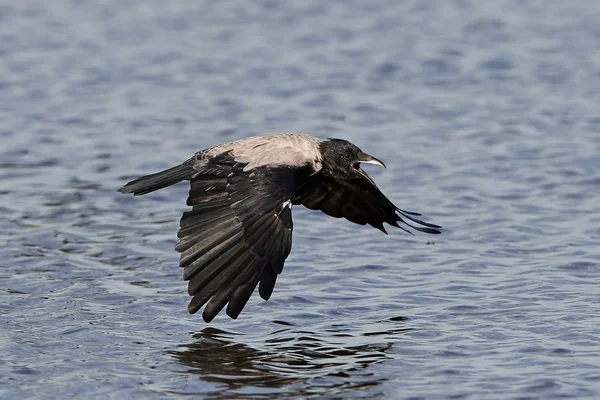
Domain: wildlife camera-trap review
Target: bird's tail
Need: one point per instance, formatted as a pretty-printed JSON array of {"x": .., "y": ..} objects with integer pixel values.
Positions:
[{"x": 152, "y": 182}]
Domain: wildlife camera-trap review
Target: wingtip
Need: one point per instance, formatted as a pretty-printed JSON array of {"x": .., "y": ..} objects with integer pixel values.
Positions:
[
  {"x": 434, "y": 227},
  {"x": 207, "y": 317},
  {"x": 130, "y": 188},
  {"x": 379, "y": 227},
  {"x": 429, "y": 230},
  {"x": 233, "y": 314},
  {"x": 408, "y": 212}
]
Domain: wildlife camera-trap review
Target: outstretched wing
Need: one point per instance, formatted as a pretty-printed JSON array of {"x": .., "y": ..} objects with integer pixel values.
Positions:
[
  {"x": 238, "y": 233},
  {"x": 358, "y": 200}
]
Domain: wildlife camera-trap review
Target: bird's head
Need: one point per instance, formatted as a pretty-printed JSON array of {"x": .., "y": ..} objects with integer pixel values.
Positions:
[{"x": 342, "y": 159}]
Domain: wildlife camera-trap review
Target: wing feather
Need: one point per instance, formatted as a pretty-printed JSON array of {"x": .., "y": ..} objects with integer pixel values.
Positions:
[
  {"x": 267, "y": 283},
  {"x": 242, "y": 294},
  {"x": 358, "y": 200},
  {"x": 237, "y": 234}
]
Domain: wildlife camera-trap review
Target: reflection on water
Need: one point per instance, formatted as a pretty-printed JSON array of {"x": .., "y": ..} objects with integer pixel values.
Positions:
[
  {"x": 486, "y": 114},
  {"x": 288, "y": 359}
]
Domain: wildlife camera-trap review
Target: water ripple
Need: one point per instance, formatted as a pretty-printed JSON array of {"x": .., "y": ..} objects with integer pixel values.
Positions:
[{"x": 485, "y": 114}]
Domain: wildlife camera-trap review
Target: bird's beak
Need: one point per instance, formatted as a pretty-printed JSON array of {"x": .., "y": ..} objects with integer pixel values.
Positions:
[{"x": 367, "y": 159}]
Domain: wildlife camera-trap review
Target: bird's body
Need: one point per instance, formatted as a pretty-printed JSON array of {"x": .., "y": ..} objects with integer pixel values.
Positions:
[
  {"x": 273, "y": 150},
  {"x": 239, "y": 231}
]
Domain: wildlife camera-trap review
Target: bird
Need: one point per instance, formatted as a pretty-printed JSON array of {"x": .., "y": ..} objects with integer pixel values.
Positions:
[{"x": 238, "y": 232}]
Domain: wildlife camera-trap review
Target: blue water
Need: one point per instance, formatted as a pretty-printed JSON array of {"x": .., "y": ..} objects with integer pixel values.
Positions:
[{"x": 486, "y": 114}]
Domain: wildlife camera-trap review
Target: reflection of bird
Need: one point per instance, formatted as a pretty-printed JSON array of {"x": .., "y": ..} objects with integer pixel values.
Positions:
[
  {"x": 239, "y": 231},
  {"x": 289, "y": 358}
]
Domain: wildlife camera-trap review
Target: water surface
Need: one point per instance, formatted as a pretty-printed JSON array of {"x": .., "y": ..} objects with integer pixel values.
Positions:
[{"x": 486, "y": 114}]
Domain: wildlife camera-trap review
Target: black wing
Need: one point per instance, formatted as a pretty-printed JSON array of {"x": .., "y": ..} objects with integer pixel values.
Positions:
[
  {"x": 358, "y": 200},
  {"x": 239, "y": 232}
]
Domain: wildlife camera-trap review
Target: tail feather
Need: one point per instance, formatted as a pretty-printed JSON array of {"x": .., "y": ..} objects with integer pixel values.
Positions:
[{"x": 152, "y": 182}]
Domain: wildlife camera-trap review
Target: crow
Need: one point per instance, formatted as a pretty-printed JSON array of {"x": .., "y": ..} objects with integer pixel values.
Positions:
[{"x": 238, "y": 233}]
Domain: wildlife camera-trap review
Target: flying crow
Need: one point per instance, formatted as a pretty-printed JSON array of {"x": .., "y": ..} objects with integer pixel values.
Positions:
[{"x": 239, "y": 231}]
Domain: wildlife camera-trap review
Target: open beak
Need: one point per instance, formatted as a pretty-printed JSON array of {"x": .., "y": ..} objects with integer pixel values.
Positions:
[{"x": 367, "y": 159}]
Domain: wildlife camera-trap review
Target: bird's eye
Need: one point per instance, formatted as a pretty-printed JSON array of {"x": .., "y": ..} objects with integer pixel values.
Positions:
[{"x": 347, "y": 155}]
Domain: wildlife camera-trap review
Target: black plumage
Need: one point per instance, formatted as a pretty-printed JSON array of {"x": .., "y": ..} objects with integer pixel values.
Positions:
[{"x": 238, "y": 233}]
